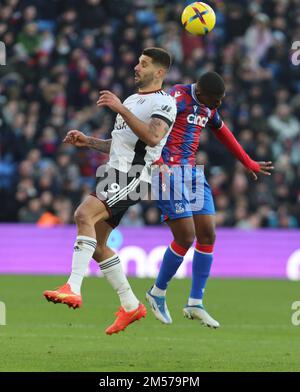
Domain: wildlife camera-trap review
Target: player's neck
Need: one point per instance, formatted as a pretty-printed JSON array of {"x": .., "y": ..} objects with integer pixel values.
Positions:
[{"x": 151, "y": 88}]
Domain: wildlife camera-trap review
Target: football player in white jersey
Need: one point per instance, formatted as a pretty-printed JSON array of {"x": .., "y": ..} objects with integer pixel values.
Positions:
[{"x": 142, "y": 126}]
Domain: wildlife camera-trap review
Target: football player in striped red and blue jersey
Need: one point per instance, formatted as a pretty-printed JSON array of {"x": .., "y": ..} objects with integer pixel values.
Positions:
[{"x": 188, "y": 207}]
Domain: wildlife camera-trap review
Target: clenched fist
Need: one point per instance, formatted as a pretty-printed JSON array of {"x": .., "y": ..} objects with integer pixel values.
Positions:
[{"x": 76, "y": 138}]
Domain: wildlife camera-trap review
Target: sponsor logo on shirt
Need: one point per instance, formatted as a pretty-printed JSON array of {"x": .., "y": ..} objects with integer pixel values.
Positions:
[
  {"x": 166, "y": 108},
  {"x": 197, "y": 120}
]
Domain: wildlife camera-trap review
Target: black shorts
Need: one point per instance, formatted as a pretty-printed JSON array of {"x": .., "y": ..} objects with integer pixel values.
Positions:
[{"x": 118, "y": 191}]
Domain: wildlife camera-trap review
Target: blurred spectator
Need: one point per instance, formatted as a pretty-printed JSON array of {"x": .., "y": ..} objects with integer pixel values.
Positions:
[
  {"x": 48, "y": 220},
  {"x": 283, "y": 123},
  {"x": 258, "y": 39},
  {"x": 133, "y": 217},
  {"x": 32, "y": 212},
  {"x": 152, "y": 216}
]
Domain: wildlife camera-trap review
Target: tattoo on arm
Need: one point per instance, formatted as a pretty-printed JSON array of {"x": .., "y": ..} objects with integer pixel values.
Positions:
[
  {"x": 156, "y": 125},
  {"x": 98, "y": 144}
]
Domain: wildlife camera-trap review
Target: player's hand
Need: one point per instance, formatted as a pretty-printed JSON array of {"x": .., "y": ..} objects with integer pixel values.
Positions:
[
  {"x": 265, "y": 168},
  {"x": 164, "y": 169},
  {"x": 110, "y": 100},
  {"x": 76, "y": 138}
]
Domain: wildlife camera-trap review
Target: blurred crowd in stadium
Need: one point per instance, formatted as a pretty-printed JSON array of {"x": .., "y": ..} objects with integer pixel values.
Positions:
[{"x": 61, "y": 53}]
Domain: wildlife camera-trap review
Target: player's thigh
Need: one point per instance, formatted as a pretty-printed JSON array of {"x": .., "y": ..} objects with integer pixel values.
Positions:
[
  {"x": 205, "y": 228},
  {"x": 91, "y": 209},
  {"x": 183, "y": 231},
  {"x": 173, "y": 202}
]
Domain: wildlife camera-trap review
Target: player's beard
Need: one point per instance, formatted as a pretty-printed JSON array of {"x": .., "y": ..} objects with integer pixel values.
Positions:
[{"x": 145, "y": 81}]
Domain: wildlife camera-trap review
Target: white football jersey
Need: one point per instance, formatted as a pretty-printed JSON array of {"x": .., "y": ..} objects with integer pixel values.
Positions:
[{"x": 126, "y": 148}]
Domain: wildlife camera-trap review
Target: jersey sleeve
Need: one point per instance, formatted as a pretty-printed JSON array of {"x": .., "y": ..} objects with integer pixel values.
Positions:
[
  {"x": 215, "y": 122},
  {"x": 164, "y": 107},
  {"x": 172, "y": 90},
  {"x": 179, "y": 94}
]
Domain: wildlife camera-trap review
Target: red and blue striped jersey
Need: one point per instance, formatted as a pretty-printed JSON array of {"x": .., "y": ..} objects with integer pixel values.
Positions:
[{"x": 192, "y": 116}]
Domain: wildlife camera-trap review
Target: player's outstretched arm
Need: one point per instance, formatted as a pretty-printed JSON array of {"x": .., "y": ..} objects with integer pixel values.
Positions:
[
  {"x": 226, "y": 137},
  {"x": 79, "y": 139},
  {"x": 151, "y": 133},
  {"x": 264, "y": 168},
  {"x": 99, "y": 144}
]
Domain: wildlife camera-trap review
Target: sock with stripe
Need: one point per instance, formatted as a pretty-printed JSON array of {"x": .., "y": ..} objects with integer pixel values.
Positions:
[
  {"x": 113, "y": 272},
  {"x": 172, "y": 260},
  {"x": 202, "y": 261},
  {"x": 84, "y": 248}
]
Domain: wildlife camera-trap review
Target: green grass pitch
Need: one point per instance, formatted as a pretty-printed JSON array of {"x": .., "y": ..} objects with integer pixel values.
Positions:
[{"x": 256, "y": 332}]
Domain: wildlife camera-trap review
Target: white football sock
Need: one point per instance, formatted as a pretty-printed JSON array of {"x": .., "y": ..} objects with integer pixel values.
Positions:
[
  {"x": 113, "y": 271},
  {"x": 84, "y": 249},
  {"x": 194, "y": 301},
  {"x": 158, "y": 292}
]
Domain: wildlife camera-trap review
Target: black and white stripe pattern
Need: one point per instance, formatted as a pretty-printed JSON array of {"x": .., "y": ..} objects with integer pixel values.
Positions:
[
  {"x": 110, "y": 262},
  {"x": 122, "y": 193},
  {"x": 85, "y": 243},
  {"x": 88, "y": 242}
]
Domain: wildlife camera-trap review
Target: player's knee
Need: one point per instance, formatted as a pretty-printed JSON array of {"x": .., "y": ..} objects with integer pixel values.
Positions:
[
  {"x": 186, "y": 240},
  {"x": 207, "y": 238},
  {"x": 81, "y": 217}
]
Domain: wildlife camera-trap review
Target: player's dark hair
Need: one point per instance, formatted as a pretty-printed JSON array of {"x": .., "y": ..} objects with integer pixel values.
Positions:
[
  {"x": 159, "y": 56},
  {"x": 211, "y": 83}
]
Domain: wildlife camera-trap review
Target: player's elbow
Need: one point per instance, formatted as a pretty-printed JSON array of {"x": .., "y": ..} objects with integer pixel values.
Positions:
[{"x": 154, "y": 141}]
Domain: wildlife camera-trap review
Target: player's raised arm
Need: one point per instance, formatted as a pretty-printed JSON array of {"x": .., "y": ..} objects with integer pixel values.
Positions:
[
  {"x": 79, "y": 139},
  {"x": 226, "y": 137},
  {"x": 150, "y": 133}
]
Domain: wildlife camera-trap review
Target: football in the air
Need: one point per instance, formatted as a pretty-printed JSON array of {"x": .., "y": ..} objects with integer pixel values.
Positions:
[{"x": 198, "y": 18}]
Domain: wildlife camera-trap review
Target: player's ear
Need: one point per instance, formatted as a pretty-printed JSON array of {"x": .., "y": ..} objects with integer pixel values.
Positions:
[{"x": 161, "y": 72}]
